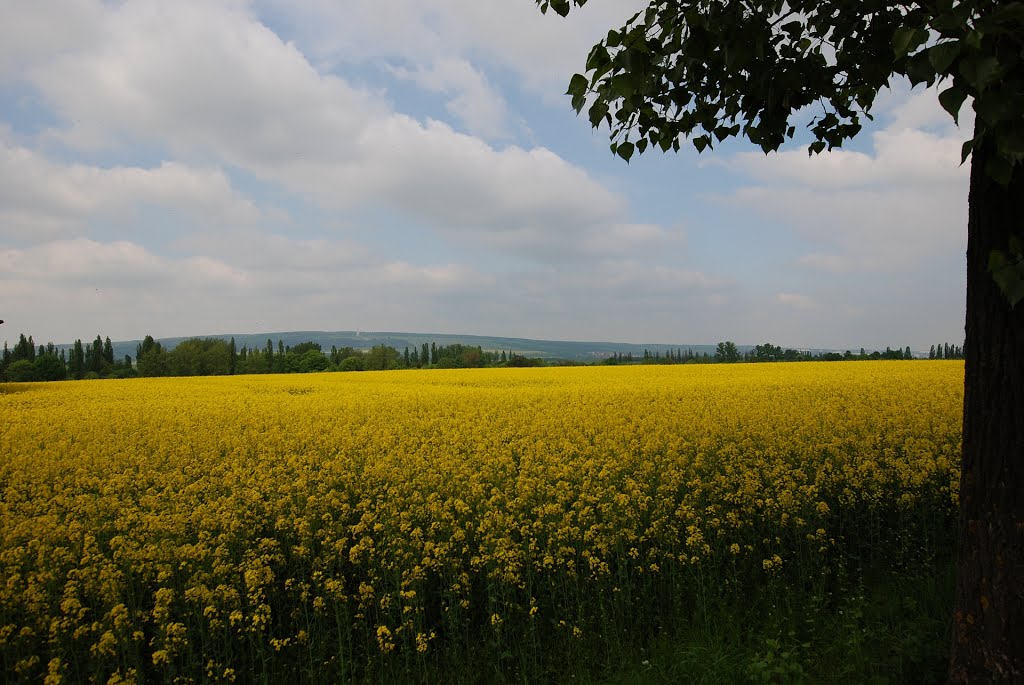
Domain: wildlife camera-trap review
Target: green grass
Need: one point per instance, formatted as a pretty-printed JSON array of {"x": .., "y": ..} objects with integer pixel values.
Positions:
[{"x": 886, "y": 628}]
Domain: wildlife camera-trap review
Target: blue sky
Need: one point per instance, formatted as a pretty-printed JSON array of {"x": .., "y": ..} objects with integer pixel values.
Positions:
[{"x": 213, "y": 166}]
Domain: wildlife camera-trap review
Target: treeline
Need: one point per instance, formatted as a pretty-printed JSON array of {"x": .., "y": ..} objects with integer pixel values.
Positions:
[
  {"x": 945, "y": 351},
  {"x": 728, "y": 352},
  {"x": 218, "y": 357},
  {"x": 214, "y": 357},
  {"x": 26, "y": 362}
]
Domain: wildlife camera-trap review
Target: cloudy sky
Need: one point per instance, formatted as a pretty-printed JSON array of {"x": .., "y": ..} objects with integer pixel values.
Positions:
[{"x": 212, "y": 166}]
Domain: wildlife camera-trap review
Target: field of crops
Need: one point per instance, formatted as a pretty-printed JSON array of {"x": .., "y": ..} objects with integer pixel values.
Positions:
[{"x": 389, "y": 526}]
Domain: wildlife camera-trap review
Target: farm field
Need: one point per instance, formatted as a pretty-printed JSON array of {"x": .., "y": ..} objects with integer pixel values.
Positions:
[{"x": 519, "y": 525}]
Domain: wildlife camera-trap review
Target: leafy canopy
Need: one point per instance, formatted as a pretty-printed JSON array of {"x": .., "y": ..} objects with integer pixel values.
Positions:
[{"x": 710, "y": 69}]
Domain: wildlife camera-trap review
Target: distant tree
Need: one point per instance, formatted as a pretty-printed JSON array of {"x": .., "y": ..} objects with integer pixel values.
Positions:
[
  {"x": 304, "y": 347},
  {"x": 200, "y": 357},
  {"x": 152, "y": 360},
  {"x": 255, "y": 362},
  {"x": 767, "y": 353},
  {"x": 21, "y": 371},
  {"x": 25, "y": 349},
  {"x": 520, "y": 361},
  {"x": 313, "y": 360},
  {"x": 233, "y": 358},
  {"x": 76, "y": 365},
  {"x": 49, "y": 367},
  {"x": 727, "y": 352},
  {"x": 95, "y": 360},
  {"x": 108, "y": 351},
  {"x": 353, "y": 363},
  {"x": 381, "y": 358}
]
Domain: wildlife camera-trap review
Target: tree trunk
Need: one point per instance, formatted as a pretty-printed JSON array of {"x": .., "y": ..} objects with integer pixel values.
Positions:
[{"x": 988, "y": 628}]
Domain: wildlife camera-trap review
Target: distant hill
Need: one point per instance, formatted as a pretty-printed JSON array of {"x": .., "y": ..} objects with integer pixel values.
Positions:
[{"x": 544, "y": 349}]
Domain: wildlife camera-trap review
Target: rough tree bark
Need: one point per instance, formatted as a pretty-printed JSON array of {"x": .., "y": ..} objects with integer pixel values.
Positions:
[{"x": 988, "y": 630}]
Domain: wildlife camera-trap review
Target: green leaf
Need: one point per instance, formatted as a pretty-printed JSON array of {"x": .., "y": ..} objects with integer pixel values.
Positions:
[
  {"x": 560, "y": 6},
  {"x": 919, "y": 69},
  {"x": 793, "y": 28},
  {"x": 598, "y": 113},
  {"x": 578, "y": 90},
  {"x": 966, "y": 150},
  {"x": 701, "y": 142},
  {"x": 941, "y": 56},
  {"x": 723, "y": 132},
  {"x": 906, "y": 38},
  {"x": 577, "y": 84},
  {"x": 1007, "y": 269},
  {"x": 816, "y": 147},
  {"x": 979, "y": 72},
  {"x": 625, "y": 84},
  {"x": 598, "y": 57},
  {"x": 1007, "y": 18},
  {"x": 625, "y": 150},
  {"x": 951, "y": 100},
  {"x": 996, "y": 106}
]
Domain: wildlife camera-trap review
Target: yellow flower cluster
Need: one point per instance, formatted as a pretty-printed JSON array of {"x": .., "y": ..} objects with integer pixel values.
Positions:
[{"x": 204, "y": 529}]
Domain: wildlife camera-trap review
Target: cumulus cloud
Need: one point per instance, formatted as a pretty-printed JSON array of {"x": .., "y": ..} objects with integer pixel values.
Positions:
[
  {"x": 213, "y": 85},
  {"x": 270, "y": 286},
  {"x": 478, "y": 106},
  {"x": 43, "y": 28},
  {"x": 41, "y": 199},
  {"x": 85, "y": 263},
  {"x": 541, "y": 51},
  {"x": 899, "y": 204}
]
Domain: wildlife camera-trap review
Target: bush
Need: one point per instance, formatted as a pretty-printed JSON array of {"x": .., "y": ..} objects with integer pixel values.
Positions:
[
  {"x": 351, "y": 364},
  {"x": 21, "y": 371}
]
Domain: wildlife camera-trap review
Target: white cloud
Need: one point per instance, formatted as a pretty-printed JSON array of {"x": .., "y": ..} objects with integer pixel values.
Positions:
[
  {"x": 83, "y": 264},
  {"x": 478, "y": 106},
  {"x": 900, "y": 204},
  {"x": 901, "y": 157},
  {"x": 214, "y": 86},
  {"x": 795, "y": 300},
  {"x": 270, "y": 285},
  {"x": 42, "y": 28},
  {"x": 41, "y": 199},
  {"x": 287, "y": 101},
  {"x": 542, "y": 51},
  {"x": 917, "y": 108}
]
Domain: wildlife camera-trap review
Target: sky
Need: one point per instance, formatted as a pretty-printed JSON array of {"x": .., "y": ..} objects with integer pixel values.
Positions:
[{"x": 200, "y": 167}]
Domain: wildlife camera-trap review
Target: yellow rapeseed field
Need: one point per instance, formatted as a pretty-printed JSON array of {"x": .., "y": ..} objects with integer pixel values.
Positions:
[{"x": 336, "y": 527}]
